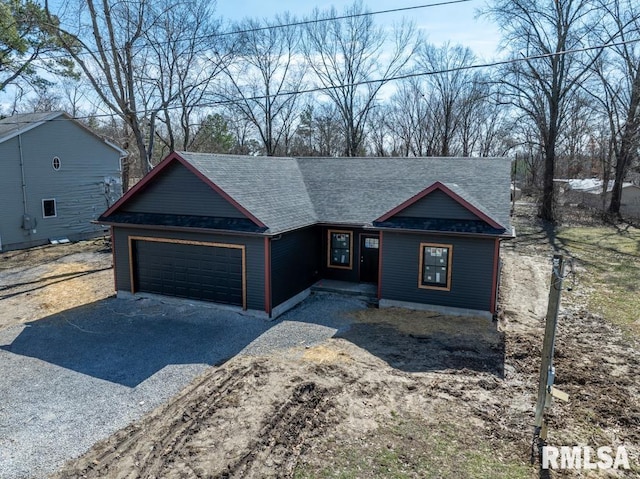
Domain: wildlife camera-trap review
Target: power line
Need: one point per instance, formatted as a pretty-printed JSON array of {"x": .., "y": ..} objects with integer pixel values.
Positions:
[
  {"x": 275, "y": 26},
  {"x": 368, "y": 82},
  {"x": 342, "y": 17}
]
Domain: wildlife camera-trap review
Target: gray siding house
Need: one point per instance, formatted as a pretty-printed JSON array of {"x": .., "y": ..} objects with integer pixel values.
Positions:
[
  {"x": 256, "y": 233},
  {"x": 57, "y": 177}
]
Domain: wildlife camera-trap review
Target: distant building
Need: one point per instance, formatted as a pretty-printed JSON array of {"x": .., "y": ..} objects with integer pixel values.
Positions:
[
  {"x": 590, "y": 194},
  {"x": 57, "y": 176}
]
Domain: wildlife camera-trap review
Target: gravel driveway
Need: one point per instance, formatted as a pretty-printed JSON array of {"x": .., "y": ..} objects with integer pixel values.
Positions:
[{"x": 76, "y": 377}]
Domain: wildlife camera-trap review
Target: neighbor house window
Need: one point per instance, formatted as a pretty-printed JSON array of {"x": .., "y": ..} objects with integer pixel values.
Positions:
[
  {"x": 340, "y": 249},
  {"x": 49, "y": 208},
  {"x": 55, "y": 163},
  {"x": 435, "y": 266}
]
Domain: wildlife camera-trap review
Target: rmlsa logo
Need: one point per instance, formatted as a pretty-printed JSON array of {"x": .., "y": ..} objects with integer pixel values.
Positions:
[{"x": 584, "y": 457}]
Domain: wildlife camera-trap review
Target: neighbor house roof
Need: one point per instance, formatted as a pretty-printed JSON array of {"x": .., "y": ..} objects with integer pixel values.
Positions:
[
  {"x": 590, "y": 185},
  {"x": 21, "y": 123},
  {"x": 289, "y": 193}
]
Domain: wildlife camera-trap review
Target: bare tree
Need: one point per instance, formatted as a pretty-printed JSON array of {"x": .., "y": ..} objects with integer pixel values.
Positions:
[
  {"x": 44, "y": 99},
  {"x": 327, "y": 123},
  {"x": 77, "y": 97},
  {"x": 482, "y": 129},
  {"x": 303, "y": 140},
  {"x": 453, "y": 92},
  {"x": 493, "y": 125},
  {"x": 573, "y": 154},
  {"x": 242, "y": 131},
  {"x": 135, "y": 74},
  {"x": 619, "y": 75},
  {"x": 113, "y": 50},
  {"x": 350, "y": 59},
  {"x": 410, "y": 120},
  {"x": 186, "y": 56},
  {"x": 378, "y": 132},
  {"x": 538, "y": 33},
  {"x": 264, "y": 80}
]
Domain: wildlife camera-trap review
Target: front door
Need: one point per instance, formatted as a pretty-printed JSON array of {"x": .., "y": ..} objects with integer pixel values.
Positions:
[{"x": 369, "y": 249}]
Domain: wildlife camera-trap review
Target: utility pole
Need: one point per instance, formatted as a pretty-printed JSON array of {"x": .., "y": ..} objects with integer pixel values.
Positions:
[
  {"x": 514, "y": 171},
  {"x": 546, "y": 390}
]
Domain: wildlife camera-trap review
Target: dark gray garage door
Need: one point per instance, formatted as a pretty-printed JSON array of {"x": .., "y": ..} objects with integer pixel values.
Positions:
[{"x": 195, "y": 271}]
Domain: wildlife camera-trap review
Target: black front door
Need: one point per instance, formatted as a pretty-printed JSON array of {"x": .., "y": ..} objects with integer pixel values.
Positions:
[{"x": 369, "y": 249}]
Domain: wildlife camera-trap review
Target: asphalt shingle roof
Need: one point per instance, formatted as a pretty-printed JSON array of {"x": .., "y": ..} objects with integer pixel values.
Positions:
[
  {"x": 272, "y": 189},
  {"x": 289, "y": 193},
  {"x": 359, "y": 190},
  {"x": 22, "y": 122}
]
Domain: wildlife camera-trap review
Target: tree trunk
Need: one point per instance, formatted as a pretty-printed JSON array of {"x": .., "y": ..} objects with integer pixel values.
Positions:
[
  {"x": 547, "y": 210},
  {"x": 547, "y": 207},
  {"x": 628, "y": 145},
  {"x": 621, "y": 171},
  {"x": 142, "y": 149}
]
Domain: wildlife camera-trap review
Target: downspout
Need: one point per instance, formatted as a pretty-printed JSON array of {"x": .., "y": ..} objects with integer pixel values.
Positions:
[
  {"x": 24, "y": 183},
  {"x": 28, "y": 222},
  {"x": 268, "y": 307}
]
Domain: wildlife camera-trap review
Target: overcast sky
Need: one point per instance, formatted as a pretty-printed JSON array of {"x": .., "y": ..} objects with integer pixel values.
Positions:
[{"x": 454, "y": 23}]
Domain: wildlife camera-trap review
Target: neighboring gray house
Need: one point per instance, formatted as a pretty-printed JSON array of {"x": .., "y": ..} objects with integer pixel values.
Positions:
[
  {"x": 57, "y": 176},
  {"x": 256, "y": 233}
]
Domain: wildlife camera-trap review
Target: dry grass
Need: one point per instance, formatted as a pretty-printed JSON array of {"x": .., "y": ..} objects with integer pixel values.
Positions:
[{"x": 609, "y": 259}]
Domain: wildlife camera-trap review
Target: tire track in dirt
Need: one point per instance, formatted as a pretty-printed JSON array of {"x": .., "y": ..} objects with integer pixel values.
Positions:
[
  {"x": 283, "y": 436},
  {"x": 194, "y": 416},
  {"x": 150, "y": 454}
]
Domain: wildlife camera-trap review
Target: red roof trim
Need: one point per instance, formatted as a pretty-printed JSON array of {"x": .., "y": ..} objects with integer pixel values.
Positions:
[
  {"x": 140, "y": 184},
  {"x": 220, "y": 191},
  {"x": 454, "y": 196},
  {"x": 160, "y": 167}
]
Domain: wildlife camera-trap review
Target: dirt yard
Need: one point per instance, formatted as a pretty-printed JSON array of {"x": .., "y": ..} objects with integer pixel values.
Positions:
[
  {"x": 399, "y": 394},
  {"x": 38, "y": 282}
]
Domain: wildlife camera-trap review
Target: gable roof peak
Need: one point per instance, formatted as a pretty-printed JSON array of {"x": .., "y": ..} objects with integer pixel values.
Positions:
[{"x": 21, "y": 123}]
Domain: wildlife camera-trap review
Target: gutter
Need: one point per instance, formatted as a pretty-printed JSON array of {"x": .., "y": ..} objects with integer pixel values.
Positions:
[
  {"x": 505, "y": 236},
  {"x": 180, "y": 229},
  {"x": 277, "y": 236}
]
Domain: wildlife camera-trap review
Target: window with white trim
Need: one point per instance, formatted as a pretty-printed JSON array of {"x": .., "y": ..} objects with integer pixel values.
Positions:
[
  {"x": 435, "y": 266},
  {"x": 49, "y": 208},
  {"x": 55, "y": 163}
]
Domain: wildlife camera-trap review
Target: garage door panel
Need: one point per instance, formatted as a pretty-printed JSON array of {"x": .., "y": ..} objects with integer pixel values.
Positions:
[{"x": 195, "y": 271}]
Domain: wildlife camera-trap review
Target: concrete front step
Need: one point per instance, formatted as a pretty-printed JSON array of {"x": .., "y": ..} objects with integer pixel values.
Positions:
[{"x": 363, "y": 291}]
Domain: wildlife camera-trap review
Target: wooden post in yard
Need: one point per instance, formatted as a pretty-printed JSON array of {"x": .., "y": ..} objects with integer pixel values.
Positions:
[{"x": 547, "y": 372}]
